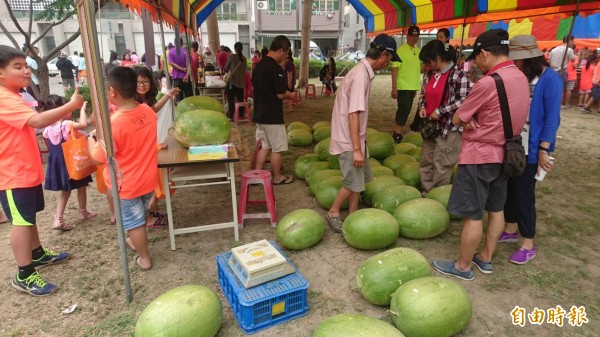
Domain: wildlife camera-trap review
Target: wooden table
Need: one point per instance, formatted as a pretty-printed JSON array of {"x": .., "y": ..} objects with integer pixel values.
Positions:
[
  {"x": 215, "y": 92},
  {"x": 201, "y": 173}
]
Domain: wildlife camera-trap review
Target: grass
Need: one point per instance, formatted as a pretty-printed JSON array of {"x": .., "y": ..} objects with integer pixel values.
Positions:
[{"x": 121, "y": 324}]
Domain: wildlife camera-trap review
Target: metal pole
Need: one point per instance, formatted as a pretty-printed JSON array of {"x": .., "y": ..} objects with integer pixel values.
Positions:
[
  {"x": 462, "y": 35},
  {"x": 562, "y": 61},
  {"x": 165, "y": 56}
]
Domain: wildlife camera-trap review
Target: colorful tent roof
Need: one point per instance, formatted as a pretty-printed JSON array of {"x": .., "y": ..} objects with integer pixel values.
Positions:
[{"x": 390, "y": 16}]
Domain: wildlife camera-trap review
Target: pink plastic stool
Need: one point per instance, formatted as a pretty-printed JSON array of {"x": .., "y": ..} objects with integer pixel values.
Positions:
[
  {"x": 325, "y": 91},
  {"x": 313, "y": 91},
  {"x": 297, "y": 98},
  {"x": 236, "y": 115},
  {"x": 253, "y": 177}
]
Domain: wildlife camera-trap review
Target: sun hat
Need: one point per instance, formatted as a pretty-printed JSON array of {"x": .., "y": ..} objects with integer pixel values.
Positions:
[
  {"x": 493, "y": 37},
  {"x": 387, "y": 43},
  {"x": 523, "y": 47}
]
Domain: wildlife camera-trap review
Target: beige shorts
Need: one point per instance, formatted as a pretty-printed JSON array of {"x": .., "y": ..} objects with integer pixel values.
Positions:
[
  {"x": 272, "y": 136},
  {"x": 354, "y": 178}
]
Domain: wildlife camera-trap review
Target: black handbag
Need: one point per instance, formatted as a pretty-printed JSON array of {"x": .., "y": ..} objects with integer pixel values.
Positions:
[
  {"x": 429, "y": 129},
  {"x": 514, "y": 153}
]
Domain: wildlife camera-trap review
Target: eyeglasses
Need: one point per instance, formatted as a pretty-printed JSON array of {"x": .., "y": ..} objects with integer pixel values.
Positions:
[{"x": 143, "y": 83}]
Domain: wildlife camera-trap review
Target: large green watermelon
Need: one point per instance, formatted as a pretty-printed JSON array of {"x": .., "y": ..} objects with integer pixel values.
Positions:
[
  {"x": 371, "y": 131},
  {"x": 404, "y": 147},
  {"x": 431, "y": 307},
  {"x": 202, "y": 127},
  {"x": 316, "y": 178},
  {"x": 441, "y": 194},
  {"x": 396, "y": 160},
  {"x": 186, "y": 311},
  {"x": 415, "y": 153},
  {"x": 300, "y": 229},
  {"x": 327, "y": 190},
  {"x": 355, "y": 325},
  {"x": 299, "y": 137},
  {"x": 381, "y": 171},
  {"x": 301, "y": 164},
  {"x": 389, "y": 198},
  {"x": 413, "y": 138},
  {"x": 322, "y": 149},
  {"x": 370, "y": 228},
  {"x": 199, "y": 103},
  {"x": 380, "y": 275},
  {"x": 320, "y": 124},
  {"x": 321, "y": 133},
  {"x": 298, "y": 125},
  {"x": 377, "y": 184},
  {"x": 313, "y": 168},
  {"x": 422, "y": 218},
  {"x": 334, "y": 161},
  {"x": 380, "y": 145},
  {"x": 374, "y": 162},
  {"x": 454, "y": 170},
  {"x": 409, "y": 173}
]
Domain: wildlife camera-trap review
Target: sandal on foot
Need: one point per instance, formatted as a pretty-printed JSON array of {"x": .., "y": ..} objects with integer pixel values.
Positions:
[
  {"x": 157, "y": 214},
  {"x": 160, "y": 222},
  {"x": 284, "y": 181},
  {"x": 335, "y": 222},
  {"x": 138, "y": 265},
  {"x": 84, "y": 214},
  {"x": 62, "y": 225}
]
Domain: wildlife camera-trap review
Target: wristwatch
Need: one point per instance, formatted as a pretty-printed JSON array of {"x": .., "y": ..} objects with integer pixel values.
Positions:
[{"x": 541, "y": 148}]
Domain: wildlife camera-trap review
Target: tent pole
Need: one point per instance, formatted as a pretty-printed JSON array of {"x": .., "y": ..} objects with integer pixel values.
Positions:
[
  {"x": 165, "y": 56},
  {"x": 562, "y": 63},
  {"x": 462, "y": 33}
]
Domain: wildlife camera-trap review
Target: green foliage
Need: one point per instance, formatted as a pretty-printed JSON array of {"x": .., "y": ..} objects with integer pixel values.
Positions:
[{"x": 84, "y": 91}]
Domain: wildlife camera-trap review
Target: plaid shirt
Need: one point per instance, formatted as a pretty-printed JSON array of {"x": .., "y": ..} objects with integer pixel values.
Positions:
[{"x": 458, "y": 89}]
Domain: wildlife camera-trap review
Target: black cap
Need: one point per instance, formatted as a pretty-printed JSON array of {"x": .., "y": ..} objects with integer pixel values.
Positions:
[
  {"x": 413, "y": 30},
  {"x": 386, "y": 43},
  {"x": 493, "y": 37}
]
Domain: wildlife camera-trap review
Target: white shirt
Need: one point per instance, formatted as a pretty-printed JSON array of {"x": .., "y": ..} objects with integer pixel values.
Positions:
[
  {"x": 556, "y": 55},
  {"x": 75, "y": 60},
  {"x": 32, "y": 65}
]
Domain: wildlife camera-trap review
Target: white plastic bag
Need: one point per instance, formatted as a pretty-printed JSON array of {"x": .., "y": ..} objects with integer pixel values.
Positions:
[{"x": 214, "y": 82}]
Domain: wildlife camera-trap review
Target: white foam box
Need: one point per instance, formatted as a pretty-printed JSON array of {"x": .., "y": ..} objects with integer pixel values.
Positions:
[{"x": 257, "y": 263}]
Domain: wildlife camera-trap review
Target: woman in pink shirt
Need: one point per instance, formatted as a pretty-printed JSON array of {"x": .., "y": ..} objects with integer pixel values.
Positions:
[{"x": 586, "y": 84}]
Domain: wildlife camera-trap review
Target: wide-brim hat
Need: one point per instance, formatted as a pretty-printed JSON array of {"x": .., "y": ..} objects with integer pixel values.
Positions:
[
  {"x": 523, "y": 47},
  {"x": 493, "y": 37}
]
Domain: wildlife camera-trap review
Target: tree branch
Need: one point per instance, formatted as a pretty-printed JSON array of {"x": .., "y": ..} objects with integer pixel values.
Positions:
[
  {"x": 50, "y": 26},
  {"x": 8, "y": 35},
  {"x": 14, "y": 20}
]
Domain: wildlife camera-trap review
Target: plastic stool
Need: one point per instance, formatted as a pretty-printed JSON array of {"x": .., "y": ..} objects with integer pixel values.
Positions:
[
  {"x": 297, "y": 98},
  {"x": 236, "y": 115},
  {"x": 326, "y": 90},
  {"x": 313, "y": 91},
  {"x": 253, "y": 177}
]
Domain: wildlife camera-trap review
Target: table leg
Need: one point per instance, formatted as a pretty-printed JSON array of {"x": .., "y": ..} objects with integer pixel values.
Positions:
[
  {"x": 234, "y": 201},
  {"x": 166, "y": 187}
]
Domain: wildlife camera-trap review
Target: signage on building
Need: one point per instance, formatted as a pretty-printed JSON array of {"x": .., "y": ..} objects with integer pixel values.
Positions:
[{"x": 262, "y": 4}]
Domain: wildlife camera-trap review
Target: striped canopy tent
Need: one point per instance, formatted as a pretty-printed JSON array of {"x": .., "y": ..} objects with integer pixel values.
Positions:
[
  {"x": 181, "y": 14},
  {"x": 393, "y": 16}
]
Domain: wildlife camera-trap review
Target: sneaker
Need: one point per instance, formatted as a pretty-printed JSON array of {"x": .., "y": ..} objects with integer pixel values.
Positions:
[
  {"x": 397, "y": 138},
  {"x": 509, "y": 237},
  {"x": 33, "y": 285},
  {"x": 483, "y": 266},
  {"x": 50, "y": 257},
  {"x": 448, "y": 268},
  {"x": 585, "y": 109},
  {"x": 522, "y": 256}
]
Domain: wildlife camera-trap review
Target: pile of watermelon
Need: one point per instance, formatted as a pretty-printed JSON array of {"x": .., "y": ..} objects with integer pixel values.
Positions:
[{"x": 201, "y": 121}]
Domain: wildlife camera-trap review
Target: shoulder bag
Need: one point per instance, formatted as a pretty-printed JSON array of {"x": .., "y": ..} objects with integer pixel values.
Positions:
[
  {"x": 227, "y": 76},
  {"x": 514, "y": 153}
]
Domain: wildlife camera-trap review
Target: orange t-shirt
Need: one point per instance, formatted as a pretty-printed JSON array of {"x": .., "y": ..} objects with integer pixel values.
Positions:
[
  {"x": 20, "y": 161},
  {"x": 134, "y": 137},
  {"x": 586, "y": 77},
  {"x": 572, "y": 70}
]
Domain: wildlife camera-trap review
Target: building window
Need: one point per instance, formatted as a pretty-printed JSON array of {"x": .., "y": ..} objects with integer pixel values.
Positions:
[
  {"x": 23, "y": 5},
  {"x": 326, "y": 5},
  {"x": 227, "y": 12},
  {"x": 282, "y": 5}
]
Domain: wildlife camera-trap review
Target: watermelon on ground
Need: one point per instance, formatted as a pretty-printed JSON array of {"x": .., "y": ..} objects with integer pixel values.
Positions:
[
  {"x": 370, "y": 228},
  {"x": 377, "y": 184},
  {"x": 322, "y": 149},
  {"x": 334, "y": 161},
  {"x": 299, "y": 137},
  {"x": 320, "y": 124},
  {"x": 316, "y": 178},
  {"x": 432, "y": 307},
  {"x": 298, "y": 125},
  {"x": 300, "y": 229},
  {"x": 380, "y": 145},
  {"x": 422, "y": 218},
  {"x": 313, "y": 168},
  {"x": 409, "y": 173},
  {"x": 301, "y": 164},
  {"x": 371, "y": 131},
  {"x": 413, "y": 138},
  {"x": 201, "y": 127},
  {"x": 381, "y": 171},
  {"x": 389, "y": 198},
  {"x": 441, "y": 194},
  {"x": 355, "y": 325},
  {"x": 186, "y": 311},
  {"x": 404, "y": 147},
  {"x": 327, "y": 190},
  {"x": 415, "y": 153},
  {"x": 199, "y": 103},
  {"x": 380, "y": 275},
  {"x": 321, "y": 133},
  {"x": 396, "y": 160},
  {"x": 453, "y": 176},
  {"x": 374, "y": 162}
]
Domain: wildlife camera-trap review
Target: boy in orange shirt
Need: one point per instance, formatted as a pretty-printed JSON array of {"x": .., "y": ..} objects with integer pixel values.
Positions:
[
  {"x": 134, "y": 136},
  {"x": 22, "y": 174}
]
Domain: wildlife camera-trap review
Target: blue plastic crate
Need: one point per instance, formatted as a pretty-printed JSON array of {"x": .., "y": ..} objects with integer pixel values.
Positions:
[{"x": 267, "y": 304}]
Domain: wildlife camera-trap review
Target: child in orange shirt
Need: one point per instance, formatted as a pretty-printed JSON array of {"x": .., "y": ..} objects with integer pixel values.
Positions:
[
  {"x": 21, "y": 176},
  {"x": 134, "y": 137}
]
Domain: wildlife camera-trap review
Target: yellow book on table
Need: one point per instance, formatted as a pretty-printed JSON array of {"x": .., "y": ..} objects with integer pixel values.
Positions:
[{"x": 208, "y": 152}]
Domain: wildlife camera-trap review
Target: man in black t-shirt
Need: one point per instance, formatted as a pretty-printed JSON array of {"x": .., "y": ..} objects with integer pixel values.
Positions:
[{"x": 269, "y": 93}]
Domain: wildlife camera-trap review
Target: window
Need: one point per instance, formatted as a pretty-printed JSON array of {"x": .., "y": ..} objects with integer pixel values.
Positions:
[
  {"x": 23, "y": 5},
  {"x": 282, "y": 5},
  {"x": 326, "y": 5},
  {"x": 227, "y": 12}
]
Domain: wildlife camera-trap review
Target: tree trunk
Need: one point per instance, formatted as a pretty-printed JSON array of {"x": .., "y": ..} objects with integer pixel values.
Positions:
[
  {"x": 212, "y": 28},
  {"x": 306, "y": 23}
]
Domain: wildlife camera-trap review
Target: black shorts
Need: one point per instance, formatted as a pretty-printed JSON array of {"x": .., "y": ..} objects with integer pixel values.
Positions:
[
  {"x": 21, "y": 204},
  {"x": 476, "y": 188},
  {"x": 405, "y": 100}
]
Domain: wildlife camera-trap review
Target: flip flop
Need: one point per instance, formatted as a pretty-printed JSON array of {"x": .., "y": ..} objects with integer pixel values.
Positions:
[
  {"x": 139, "y": 266},
  {"x": 160, "y": 222},
  {"x": 284, "y": 181},
  {"x": 335, "y": 222}
]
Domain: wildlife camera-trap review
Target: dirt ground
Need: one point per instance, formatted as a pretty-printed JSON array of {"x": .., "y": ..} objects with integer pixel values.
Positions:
[{"x": 565, "y": 271}]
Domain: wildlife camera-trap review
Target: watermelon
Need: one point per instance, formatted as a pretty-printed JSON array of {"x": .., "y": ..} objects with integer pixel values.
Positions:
[
  {"x": 321, "y": 133},
  {"x": 313, "y": 168},
  {"x": 454, "y": 170},
  {"x": 396, "y": 160},
  {"x": 389, "y": 198},
  {"x": 370, "y": 228},
  {"x": 320, "y": 124},
  {"x": 377, "y": 184},
  {"x": 404, "y": 147},
  {"x": 322, "y": 149},
  {"x": 381, "y": 171},
  {"x": 415, "y": 153},
  {"x": 301, "y": 164},
  {"x": 199, "y": 103},
  {"x": 441, "y": 194},
  {"x": 334, "y": 162},
  {"x": 202, "y": 127},
  {"x": 316, "y": 178},
  {"x": 300, "y": 229},
  {"x": 299, "y": 137},
  {"x": 422, "y": 218},
  {"x": 380, "y": 145},
  {"x": 380, "y": 275},
  {"x": 413, "y": 138},
  {"x": 298, "y": 125},
  {"x": 431, "y": 306},
  {"x": 327, "y": 190},
  {"x": 374, "y": 162},
  {"x": 410, "y": 173},
  {"x": 355, "y": 325},
  {"x": 186, "y": 311},
  {"x": 371, "y": 131}
]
